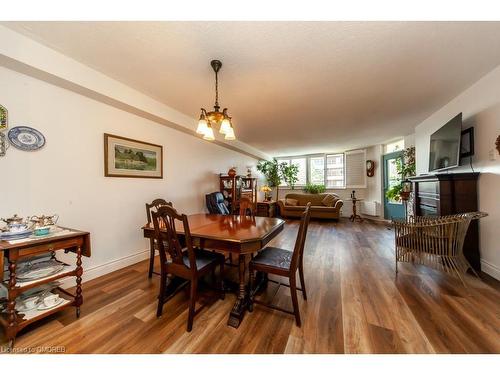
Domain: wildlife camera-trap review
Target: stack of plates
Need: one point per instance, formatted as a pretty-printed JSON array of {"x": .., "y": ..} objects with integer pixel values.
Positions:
[
  {"x": 8, "y": 236},
  {"x": 39, "y": 270}
]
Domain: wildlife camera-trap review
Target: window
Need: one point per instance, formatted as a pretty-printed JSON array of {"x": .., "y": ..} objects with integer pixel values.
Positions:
[
  {"x": 335, "y": 171},
  {"x": 317, "y": 170},
  {"x": 301, "y": 162},
  {"x": 394, "y": 146},
  {"x": 302, "y": 175}
]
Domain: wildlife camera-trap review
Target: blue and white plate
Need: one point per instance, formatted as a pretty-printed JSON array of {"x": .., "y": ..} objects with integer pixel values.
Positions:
[{"x": 26, "y": 138}]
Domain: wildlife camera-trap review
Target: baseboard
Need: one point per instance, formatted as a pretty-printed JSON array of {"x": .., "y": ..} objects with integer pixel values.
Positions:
[
  {"x": 103, "y": 269},
  {"x": 490, "y": 269}
]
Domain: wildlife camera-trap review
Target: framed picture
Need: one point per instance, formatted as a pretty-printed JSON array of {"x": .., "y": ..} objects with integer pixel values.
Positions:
[
  {"x": 467, "y": 143},
  {"x": 125, "y": 157}
]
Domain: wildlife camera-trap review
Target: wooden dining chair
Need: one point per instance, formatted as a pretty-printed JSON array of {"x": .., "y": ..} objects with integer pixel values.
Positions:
[
  {"x": 186, "y": 263},
  {"x": 246, "y": 207},
  {"x": 285, "y": 263},
  {"x": 154, "y": 205}
]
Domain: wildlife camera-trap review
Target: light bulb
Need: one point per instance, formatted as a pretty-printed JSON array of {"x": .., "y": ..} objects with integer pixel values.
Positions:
[
  {"x": 209, "y": 134},
  {"x": 225, "y": 126},
  {"x": 230, "y": 135},
  {"x": 202, "y": 126}
]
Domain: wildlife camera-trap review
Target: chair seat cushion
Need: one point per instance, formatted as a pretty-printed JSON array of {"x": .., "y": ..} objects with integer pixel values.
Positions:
[
  {"x": 274, "y": 257},
  {"x": 203, "y": 258}
]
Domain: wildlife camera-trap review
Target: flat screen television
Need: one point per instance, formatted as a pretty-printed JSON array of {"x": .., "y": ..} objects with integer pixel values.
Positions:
[{"x": 444, "y": 149}]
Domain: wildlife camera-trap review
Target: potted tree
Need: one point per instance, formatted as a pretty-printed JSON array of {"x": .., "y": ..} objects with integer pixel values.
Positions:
[{"x": 276, "y": 172}]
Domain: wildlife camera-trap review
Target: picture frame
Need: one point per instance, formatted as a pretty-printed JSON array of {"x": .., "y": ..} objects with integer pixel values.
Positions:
[
  {"x": 467, "y": 143},
  {"x": 126, "y": 157}
]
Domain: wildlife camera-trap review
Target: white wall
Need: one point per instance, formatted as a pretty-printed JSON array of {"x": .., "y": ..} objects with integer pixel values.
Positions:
[
  {"x": 67, "y": 176},
  {"x": 480, "y": 105}
]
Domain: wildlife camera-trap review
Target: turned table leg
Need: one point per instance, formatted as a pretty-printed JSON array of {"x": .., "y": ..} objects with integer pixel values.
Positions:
[
  {"x": 238, "y": 311},
  {"x": 79, "y": 272}
]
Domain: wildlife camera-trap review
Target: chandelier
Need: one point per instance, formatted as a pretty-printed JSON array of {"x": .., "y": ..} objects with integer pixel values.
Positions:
[{"x": 208, "y": 120}]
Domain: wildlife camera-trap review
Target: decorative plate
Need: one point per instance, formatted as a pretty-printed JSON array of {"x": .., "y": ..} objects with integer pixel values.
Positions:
[{"x": 26, "y": 138}]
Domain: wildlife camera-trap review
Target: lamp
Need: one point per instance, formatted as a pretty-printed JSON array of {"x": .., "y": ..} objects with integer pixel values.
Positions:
[{"x": 216, "y": 117}]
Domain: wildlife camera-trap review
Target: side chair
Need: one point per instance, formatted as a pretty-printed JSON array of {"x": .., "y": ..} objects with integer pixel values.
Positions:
[
  {"x": 187, "y": 263},
  {"x": 285, "y": 263},
  {"x": 154, "y": 205}
]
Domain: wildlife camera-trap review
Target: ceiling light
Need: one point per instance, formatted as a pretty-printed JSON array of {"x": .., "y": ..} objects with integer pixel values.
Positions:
[{"x": 215, "y": 117}]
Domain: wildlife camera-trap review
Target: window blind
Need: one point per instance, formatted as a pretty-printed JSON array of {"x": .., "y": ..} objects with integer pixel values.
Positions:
[{"x": 355, "y": 166}]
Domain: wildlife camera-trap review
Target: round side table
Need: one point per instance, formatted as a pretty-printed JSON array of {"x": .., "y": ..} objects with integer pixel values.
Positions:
[{"x": 355, "y": 215}]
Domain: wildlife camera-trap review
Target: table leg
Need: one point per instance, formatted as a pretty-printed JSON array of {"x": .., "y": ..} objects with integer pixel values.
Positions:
[
  {"x": 238, "y": 311},
  {"x": 79, "y": 272},
  {"x": 11, "y": 304}
]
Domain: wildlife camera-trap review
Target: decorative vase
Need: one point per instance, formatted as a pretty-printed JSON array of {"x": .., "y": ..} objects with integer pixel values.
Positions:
[{"x": 231, "y": 172}]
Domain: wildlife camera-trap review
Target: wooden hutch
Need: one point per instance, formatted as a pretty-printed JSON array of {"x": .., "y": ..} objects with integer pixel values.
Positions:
[
  {"x": 235, "y": 187},
  {"x": 449, "y": 194}
]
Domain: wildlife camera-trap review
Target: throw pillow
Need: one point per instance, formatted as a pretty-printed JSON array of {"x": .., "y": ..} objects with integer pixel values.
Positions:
[
  {"x": 329, "y": 200},
  {"x": 291, "y": 202}
]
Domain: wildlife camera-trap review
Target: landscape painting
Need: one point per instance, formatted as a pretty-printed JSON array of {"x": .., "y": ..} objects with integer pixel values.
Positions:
[{"x": 125, "y": 157}]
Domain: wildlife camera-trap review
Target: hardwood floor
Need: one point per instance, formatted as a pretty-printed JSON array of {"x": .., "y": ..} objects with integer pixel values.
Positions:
[{"x": 355, "y": 305}]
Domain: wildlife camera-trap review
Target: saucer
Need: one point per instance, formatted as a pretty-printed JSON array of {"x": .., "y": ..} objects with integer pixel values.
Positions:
[{"x": 43, "y": 307}]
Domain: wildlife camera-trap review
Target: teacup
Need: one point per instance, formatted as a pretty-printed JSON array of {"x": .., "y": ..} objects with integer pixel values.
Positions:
[
  {"x": 28, "y": 303},
  {"x": 51, "y": 300}
]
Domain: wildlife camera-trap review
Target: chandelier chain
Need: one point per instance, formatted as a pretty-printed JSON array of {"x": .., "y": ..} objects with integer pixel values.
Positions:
[{"x": 216, "y": 90}]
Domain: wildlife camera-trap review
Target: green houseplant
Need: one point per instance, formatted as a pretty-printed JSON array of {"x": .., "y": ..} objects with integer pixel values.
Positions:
[
  {"x": 314, "y": 188},
  {"x": 276, "y": 172},
  {"x": 405, "y": 167}
]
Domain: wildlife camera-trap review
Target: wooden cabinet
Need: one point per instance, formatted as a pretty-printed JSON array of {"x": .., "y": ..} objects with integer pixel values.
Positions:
[
  {"x": 235, "y": 187},
  {"x": 448, "y": 194},
  {"x": 266, "y": 209}
]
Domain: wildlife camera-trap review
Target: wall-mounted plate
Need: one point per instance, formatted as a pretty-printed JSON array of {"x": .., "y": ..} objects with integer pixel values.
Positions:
[{"x": 26, "y": 138}]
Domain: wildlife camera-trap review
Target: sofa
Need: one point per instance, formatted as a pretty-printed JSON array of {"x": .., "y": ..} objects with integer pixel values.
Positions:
[{"x": 319, "y": 210}]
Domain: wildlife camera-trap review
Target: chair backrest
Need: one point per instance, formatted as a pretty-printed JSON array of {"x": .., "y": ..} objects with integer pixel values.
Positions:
[
  {"x": 215, "y": 203},
  {"x": 246, "y": 206},
  {"x": 165, "y": 231},
  {"x": 157, "y": 203},
  {"x": 298, "y": 250}
]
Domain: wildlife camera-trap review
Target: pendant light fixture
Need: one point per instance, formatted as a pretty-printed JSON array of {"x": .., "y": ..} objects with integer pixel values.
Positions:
[{"x": 208, "y": 120}]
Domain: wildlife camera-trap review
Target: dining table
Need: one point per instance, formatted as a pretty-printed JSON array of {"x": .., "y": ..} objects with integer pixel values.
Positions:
[{"x": 235, "y": 234}]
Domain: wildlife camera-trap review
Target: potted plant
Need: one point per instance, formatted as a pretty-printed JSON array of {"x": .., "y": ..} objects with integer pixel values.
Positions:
[
  {"x": 276, "y": 172},
  {"x": 405, "y": 167},
  {"x": 314, "y": 188},
  {"x": 271, "y": 171}
]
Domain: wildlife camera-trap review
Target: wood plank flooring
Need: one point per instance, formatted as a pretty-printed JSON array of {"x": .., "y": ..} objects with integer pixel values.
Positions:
[{"x": 356, "y": 305}]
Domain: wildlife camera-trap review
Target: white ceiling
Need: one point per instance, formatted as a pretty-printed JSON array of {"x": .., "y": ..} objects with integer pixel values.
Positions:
[{"x": 291, "y": 87}]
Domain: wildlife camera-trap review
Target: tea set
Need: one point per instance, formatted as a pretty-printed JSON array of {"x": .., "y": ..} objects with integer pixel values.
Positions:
[
  {"x": 45, "y": 301},
  {"x": 18, "y": 227}
]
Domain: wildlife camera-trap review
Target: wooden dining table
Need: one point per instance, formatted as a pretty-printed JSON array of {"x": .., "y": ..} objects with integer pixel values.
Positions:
[{"x": 240, "y": 235}]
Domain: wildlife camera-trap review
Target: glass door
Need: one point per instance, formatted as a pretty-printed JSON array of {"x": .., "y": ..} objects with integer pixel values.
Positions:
[{"x": 392, "y": 208}]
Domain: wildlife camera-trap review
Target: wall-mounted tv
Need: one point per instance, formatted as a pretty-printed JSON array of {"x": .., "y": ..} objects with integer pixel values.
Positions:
[{"x": 444, "y": 150}]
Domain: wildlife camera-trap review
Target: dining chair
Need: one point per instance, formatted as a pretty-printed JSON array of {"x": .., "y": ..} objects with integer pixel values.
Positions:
[
  {"x": 246, "y": 207},
  {"x": 284, "y": 263},
  {"x": 186, "y": 263},
  {"x": 154, "y": 205}
]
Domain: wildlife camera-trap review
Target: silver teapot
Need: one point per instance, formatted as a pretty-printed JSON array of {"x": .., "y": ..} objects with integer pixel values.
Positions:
[{"x": 16, "y": 223}]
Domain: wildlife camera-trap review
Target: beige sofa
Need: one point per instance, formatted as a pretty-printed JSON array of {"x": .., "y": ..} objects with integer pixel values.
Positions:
[{"x": 318, "y": 209}]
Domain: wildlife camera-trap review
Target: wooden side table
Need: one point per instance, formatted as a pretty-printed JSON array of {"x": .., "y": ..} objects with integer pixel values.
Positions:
[
  {"x": 266, "y": 209},
  {"x": 70, "y": 240},
  {"x": 355, "y": 215}
]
